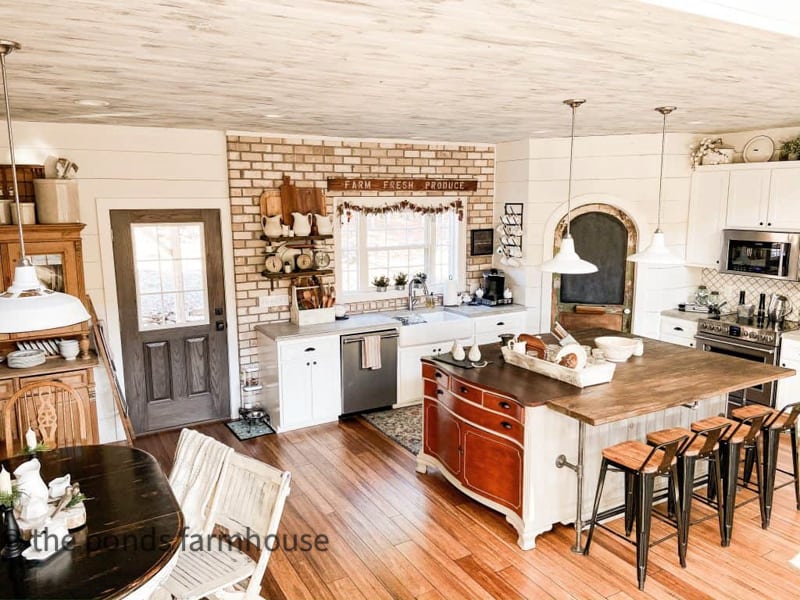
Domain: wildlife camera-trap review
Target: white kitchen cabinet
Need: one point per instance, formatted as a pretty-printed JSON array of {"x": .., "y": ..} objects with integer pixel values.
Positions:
[
  {"x": 409, "y": 378},
  {"x": 487, "y": 328},
  {"x": 784, "y": 199},
  {"x": 748, "y": 199},
  {"x": 309, "y": 382},
  {"x": 707, "y": 206},
  {"x": 678, "y": 331},
  {"x": 789, "y": 388}
]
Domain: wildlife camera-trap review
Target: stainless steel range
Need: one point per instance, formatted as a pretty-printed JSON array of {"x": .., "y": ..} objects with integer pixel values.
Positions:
[{"x": 748, "y": 340}]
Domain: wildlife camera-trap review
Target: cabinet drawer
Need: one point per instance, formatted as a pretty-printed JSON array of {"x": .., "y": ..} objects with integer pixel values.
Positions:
[
  {"x": 790, "y": 350},
  {"x": 6, "y": 389},
  {"x": 507, "y": 322},
  {"x": 76, "y": 379},
  {"x": 309, "y": 348},
  {"x": 680, "y": 341},
  {"x": 496, "y": 423},
  {"x": 434, "y": 374},
  {"x": 466, "y": 391},
  {"x": 677, "y": 327},
  {"x": 504, "y": 405}
]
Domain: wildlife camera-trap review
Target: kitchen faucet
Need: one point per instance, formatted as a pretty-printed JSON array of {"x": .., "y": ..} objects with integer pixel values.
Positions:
[{"x": 411, "y": 298}]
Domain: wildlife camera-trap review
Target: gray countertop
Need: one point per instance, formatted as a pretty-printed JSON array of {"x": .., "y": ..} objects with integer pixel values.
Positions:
[
  {"x": 372, "y": 322},
  {"x": 354, "y": 323},
  {"x": 681, "y": 314}
]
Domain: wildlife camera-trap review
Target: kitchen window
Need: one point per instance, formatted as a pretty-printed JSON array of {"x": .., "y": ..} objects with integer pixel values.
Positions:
[{"x": 398, "y": 242}]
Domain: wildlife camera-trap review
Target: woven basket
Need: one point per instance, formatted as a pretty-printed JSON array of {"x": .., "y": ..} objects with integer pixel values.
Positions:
[{"x": 25, "y": 176}]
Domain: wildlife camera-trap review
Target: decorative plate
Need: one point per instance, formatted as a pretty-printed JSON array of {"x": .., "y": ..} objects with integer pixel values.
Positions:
[
  {"x": 273, "y": 264},
  {"x": 758, "y": 149},
  {"x": 322, "y": 259}
]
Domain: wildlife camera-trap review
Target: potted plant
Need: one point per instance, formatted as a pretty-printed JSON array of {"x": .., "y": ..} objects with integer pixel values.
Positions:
[
  {"x": 790, "y": 149},
  {"x": 400, "y": 281},
  {"x": 421, "y": 276},
  {"x": 381, "y": 283},
  {"x": 709, "y": 151}
]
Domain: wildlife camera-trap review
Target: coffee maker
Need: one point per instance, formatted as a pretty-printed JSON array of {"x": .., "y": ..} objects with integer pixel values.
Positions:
[{"x": 494, "y": 283}]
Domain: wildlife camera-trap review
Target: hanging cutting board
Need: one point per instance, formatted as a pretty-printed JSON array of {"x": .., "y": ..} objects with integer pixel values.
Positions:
[
  {"x": 302, "y": 200},
  {"x": 270, "y": 201}
]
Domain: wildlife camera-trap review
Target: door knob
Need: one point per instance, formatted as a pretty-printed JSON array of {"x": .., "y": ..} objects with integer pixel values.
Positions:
[{"x": 220, "y": 325}]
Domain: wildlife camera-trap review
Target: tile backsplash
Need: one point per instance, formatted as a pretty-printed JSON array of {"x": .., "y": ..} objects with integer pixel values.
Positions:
[{"x": 729, "y": 286}]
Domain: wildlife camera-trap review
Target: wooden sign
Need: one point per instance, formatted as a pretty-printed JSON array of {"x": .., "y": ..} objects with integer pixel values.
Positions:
[{"x": 358, "y": 184}]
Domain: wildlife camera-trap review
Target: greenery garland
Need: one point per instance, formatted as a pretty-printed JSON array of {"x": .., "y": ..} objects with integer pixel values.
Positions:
[{"x": 347, "y": 208}]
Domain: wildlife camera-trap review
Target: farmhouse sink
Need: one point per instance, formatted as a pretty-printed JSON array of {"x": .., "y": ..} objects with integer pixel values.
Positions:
[{"x": 431, "y": 327}]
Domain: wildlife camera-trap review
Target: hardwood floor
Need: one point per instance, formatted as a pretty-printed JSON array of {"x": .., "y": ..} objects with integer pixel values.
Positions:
[{"x": 396, "y": 534}]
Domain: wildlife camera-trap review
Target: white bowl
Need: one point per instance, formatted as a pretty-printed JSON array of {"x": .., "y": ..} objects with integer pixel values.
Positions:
[{"x": 615, "y": 348}]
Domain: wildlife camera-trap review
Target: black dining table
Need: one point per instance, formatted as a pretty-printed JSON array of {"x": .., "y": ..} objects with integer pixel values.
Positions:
[{"x": 133, "y": 529}]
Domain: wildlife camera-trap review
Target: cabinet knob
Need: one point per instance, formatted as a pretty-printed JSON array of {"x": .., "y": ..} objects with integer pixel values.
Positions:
[
  {"x": 315, "y": 362},
  {"x": 505, "y": 425},
  {"x": 500, "y": 323},
  {"x": 761, "y": 222},
  {"x": 464, "y": 390},
  {"x": 505, "y": 405},
  {"x": 769, "y": 224},
  {"x": 439, "y": 392},
  {"x": 677, "y": 328},
  {"x": 310, "y": 349},
  {"x": 783, "y": 364},
  {"x": 437, "y": 375},
  {"x": 308, "y": 364}
]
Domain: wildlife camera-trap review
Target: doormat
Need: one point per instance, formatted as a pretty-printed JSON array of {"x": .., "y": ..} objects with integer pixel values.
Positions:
[
  {"x": 403, "y": 425},
  {"x": 243, "y": 431}
]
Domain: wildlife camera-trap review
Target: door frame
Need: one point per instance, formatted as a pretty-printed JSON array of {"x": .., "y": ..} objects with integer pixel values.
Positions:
[
  {"x": 104, "y": 208},
  {"x": 641, "y": 276}
]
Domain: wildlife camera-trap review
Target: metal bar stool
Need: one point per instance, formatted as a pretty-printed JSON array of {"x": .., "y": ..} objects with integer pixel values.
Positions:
[
  {"x": 776, "y": 423},
  {"x": 740, "y": 434},
  {"x": 702, "y": 444},
  {"x": 642, "y": 464}
]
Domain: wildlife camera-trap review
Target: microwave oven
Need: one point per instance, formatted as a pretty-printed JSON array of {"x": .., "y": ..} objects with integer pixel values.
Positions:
[{"x": 760, "y": 253}]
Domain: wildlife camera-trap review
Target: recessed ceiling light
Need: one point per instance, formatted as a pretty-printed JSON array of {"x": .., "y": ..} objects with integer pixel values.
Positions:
[
  {"x": 273, "y": 116},
  {"x": 542, "y": 131},
  {"x": 94, "y": 103}
]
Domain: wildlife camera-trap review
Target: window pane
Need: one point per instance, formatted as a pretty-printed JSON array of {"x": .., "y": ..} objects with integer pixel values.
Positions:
[{"x": 170, "y": 273}]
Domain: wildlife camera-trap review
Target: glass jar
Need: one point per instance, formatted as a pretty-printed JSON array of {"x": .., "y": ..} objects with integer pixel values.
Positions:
[
  {"x": 713, "y": 299},
  {"x": 701, "y": 296}
]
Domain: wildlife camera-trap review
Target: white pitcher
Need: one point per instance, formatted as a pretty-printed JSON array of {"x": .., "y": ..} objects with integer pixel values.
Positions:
[
  {"x": 324, "y": 224},
  {"x": 301, "y": 224},
  {"x": 271, "y": 226},
  {"x": 30, "y": 482}
]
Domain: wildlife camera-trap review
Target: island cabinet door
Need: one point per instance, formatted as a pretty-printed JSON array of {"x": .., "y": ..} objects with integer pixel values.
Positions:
[
  {"x": 443, "y": 436},
  {"x": 492, "y": 467}
]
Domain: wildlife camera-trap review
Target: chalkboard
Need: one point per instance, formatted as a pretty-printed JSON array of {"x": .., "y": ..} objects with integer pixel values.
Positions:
[{"x": 603, "y": 240}]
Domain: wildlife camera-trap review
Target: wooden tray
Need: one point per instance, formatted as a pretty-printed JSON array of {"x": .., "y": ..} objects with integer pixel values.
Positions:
[{"x": 589, "y": 375}]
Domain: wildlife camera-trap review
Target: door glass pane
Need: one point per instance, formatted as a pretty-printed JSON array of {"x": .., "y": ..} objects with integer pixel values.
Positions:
[
  {"x": 171, "y": 285},
  {"x": 49, "y": 270}
]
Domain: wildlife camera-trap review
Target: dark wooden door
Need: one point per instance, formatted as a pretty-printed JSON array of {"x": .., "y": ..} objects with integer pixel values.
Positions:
[
  {"x": 443, "y": 436},
  {"x": 172, "y": 316}
]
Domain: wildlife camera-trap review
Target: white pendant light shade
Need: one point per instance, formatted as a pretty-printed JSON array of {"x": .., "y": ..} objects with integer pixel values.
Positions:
[
  {"x": 656, "y": 253},
  {"x": 567, "y": 260},
  {"x": 28, "y": 306}
]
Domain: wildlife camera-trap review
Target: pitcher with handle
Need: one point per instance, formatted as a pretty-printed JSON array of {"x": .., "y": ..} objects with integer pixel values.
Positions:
[
  {"x": 301, "y": 224},
  {"x": 271, "y": 226},
  {"x": 324, "y": 224}
]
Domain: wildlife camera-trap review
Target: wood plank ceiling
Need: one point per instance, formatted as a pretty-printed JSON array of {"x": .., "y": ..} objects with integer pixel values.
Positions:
[{"x": 471, "y": 70}]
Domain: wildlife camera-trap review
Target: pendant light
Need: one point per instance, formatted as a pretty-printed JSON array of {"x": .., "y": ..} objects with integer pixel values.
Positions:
[
  {"x": 566, "y": 259},
  {"x": 27, "y": 305},
  {"x": 657, "y": 252}
]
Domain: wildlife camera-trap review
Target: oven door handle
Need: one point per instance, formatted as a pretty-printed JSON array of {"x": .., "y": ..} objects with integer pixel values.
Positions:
[{"x": 721, "y": 344}]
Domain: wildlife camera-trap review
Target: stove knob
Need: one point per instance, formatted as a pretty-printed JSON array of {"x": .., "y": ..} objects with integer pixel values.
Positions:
[{"x": 753, "y": 335}]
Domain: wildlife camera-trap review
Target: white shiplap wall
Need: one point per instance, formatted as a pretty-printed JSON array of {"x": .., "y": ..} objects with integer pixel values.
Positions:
[
  {"x": 619, "y": 170},
  {"x": 137, "y": 164}
]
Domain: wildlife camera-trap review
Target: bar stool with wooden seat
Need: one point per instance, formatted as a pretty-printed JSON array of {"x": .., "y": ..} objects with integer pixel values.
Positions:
[
  {"x": 642, "y": 464},
  {"x": 740, "y": 434},
  {"x": 777, "y": 422},
  {"x": 699, "y": 445}
]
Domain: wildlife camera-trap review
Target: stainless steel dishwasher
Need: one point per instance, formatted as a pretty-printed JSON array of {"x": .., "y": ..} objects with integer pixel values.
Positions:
[{"x": 367, "y": 389}]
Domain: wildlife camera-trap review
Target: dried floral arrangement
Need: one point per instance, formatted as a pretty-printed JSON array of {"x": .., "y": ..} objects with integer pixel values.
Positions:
[
  {"x": 704, "y": 147},
  {"x": 346, "y": 208}
]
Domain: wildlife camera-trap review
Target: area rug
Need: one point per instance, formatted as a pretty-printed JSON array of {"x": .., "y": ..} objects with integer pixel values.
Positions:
[
  {"x": 403, "y": 425},
  {"x": 243, "y": 431}
]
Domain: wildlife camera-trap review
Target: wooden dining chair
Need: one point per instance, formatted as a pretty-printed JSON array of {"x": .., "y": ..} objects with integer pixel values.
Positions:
[
  {"x": 250, "y": 500},
  {"x": 57, "y": 413}
]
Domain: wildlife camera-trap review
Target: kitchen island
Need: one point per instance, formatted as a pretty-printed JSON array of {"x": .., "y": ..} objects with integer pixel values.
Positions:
[{"x": 501, "y": 434}]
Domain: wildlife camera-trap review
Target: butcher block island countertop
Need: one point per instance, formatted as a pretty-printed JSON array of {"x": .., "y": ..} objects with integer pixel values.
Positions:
[
  {"x": 666, "y": 375},
  {"x": 501, "y": 433}
]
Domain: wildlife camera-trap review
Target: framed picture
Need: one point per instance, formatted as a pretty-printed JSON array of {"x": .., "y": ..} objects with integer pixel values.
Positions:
[{"x": 481, "y": 242}]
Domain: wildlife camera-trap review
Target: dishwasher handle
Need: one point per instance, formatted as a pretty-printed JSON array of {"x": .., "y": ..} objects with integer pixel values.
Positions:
[{"x": 384, "y": 336}]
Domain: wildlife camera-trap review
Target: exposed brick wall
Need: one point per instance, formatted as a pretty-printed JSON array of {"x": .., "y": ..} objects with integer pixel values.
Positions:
[{"x": 259, "y": 163}]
